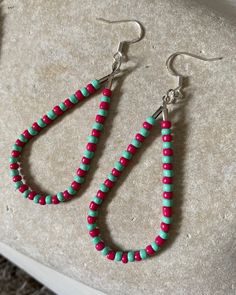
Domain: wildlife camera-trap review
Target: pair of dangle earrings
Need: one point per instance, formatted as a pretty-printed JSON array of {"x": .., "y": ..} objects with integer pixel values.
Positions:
[{"x": 59, "y": 110}]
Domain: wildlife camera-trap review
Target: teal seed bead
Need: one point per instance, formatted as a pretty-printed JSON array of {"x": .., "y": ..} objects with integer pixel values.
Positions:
[
  {"x": 97, "y": 200},
  {"x": 91, "y": 226},
  {"x": 92, "y": 139},
  {"x": 167, "y": 220},
  {"x": 102, "y": 112},
  {"x": 111, "y": 177},
  {"x": 118, "y": 256},
  {"x": 88, "y": 154},
  {"x": 60, "y": 197},
  {"x": 93, "y": 213},
  {"x": 143, "y": 253},
  {"x": 36, "y": 198},
  {"x": 155, "y": 247},
  {"x": 167, "y": 145},
  {"x": 167, "y": 159},
  {"x": 18, "y": 184},
  {"x": 96, "y": 240},
  {"x": 168, "y": 173},
  {"x": 14, "y": 172},
  {"x": 84, "y": 167},
  {"x": 127, "y": 155},
  {"x": 106, "y": 99},
  {"x": 105, "y": 251},
  {"x": 32, "y": 131},
  {"x": 48, "y": 199},
  {"x": 136, "y": 143},
  {"x": 130, "y": 256},
  {"x": 41, "y": 123},
  {"x": 13, "y": 160},
  {"x": 51, "y": 115},
  {"x": 167, "y": 187},
  {"x": 79, "y": 179},
  {"x": 97, "y": 126},
  {"x": 16, "y": 147},
  {"x": 151, "y": 120},
  {"x": 26, "y": 193},
  {"x": 165, "y": 131},
  {"x": 144, "y": 132},
  {"x": 22, "y": 138},
  {"x": 84, "y": 91},
  {"x": 118, "y": 166},
  {"x": 104, "y": 188},
  {"x": 163, "y": 234},
  {"x": 71, "y": 190},
  {"x": 96, "y": 84},
  {"x": 73, "y": 99},
  {"x": 62, "y": 106},
  {"x": 167, "y": 202}
]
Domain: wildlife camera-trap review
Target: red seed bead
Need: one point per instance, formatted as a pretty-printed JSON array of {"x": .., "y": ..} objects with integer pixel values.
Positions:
[
  {"x": 167, "y": 166},
  {"x": 104, "y": 105},
  {"x": 15, "y": 154},
  {"x": 101, "y": 195},
  {"x": 167, "y": 211},
  {"x": 91, "y": 147},
  {"x": 100, "y": 119},
  {"x": 46, "y": 120},
  {"x": 91, "y": 219},
  {"x": 124, "y": 258},
  {"x": 75, "y": 185},
  {"x": 107, "y": 92},
  {"x": 99, "y": 246},
  {"x": 32, "y": 195},
  {"x": 79, "y": 95},
  {"x": 23, "y": 188},
  {"x": 159, "y": 241},
  {"x": 14, "y": 166},
  {"x": 111, "y": 255},
  {"x": 55, "y": 200},
  {"x": 165, "y": 124},
  {"x": 93, "y": 206},
  {"x": 147, "y": 126},
  {"x": 42, "y": 200},
  {"x": 86, "y": 161},
  {"x": 20, "y": 143},
  {"x": 16, "y": 178},
  {"x": 94, "y": 232},
  {"x": 90, "y": 88},
  {"x": 124, "y": 161},
  {"x": 167, "y": 180},
  {"x": 36, "y": 127},
  {"x": 67, "y": 195},
  {"x": 81, "y": 172},
  {"x": 27, "y": 134},
  {"x": 167, "y": 195},
  {"x": 137, "y": 256},
  {"x": 167, "y": 152},
  {"x": 139, "y": 137},
  {"x": 96, "y": 133},
  {"x": 68, "y": 103},
  {"x": 132, "y": 149},
  {"x": 57, "y": 110},
  {"x": 115, "y": 172},
  {"x": 108, "y": 183},
  {"x": 165, "y": 227},
  {"x": 150, "y": 250},
  {"x": 167, "y": 137}
]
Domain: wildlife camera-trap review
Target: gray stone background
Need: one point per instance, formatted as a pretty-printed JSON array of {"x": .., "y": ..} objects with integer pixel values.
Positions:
[{"x": 51, "y": 48}]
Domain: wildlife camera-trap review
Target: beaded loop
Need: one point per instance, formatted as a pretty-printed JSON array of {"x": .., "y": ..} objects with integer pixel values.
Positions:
[
  {"x": 42, "y": 123},
  {"x": 167, "y": 202}
]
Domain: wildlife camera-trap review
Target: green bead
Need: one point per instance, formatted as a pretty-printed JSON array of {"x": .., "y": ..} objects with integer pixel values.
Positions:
[
  {"x": 97, "y": 200},
  {"x": 96, "y": 240},
  {"x": 118, "y": 256},
  {"x": 84, "y": 91},
  {"x": 127, "y": 155},
  {"x": 103, "y": 188},
  {"x": 32, "y": 131},
  {"x": 92, "y": 139},
  {"x": 167, "y": 220},
  {"x": 111, "y": 177},
  {"x": 18, "y": 184},
  {"x": 130, "y": 256},
  {"x": 36, "y": 198},
  {"x": 71, "y": 190},
  {"x": 167, "y": 145},
  {"x": 167, "y": 159},
  {"x": 96, "y": 84},
  {"x": 93, "y": 213},
  {"x": 79, "y": 179},
  {"x": 51, "y": 115},
  {"x": 151, "y": 120},
  {"x": 91, "y": 226},
  {"x": 167, "y": 202},
  {"x": 26, "y": 193},
  {"x": 167, "y": 187},
  {"x": 73, "y": 99},
  {"x": 155, "y": 247},
  {"x": 163, "y": 235},
  {"x": 105, "y": 251},
  {"x": 97, "y": 126},
  {"x": 84, "y": 167},
  {"x": 168, "y": 173},
  {"x": 62, "y": 106},
  {"x": 13, "y": 160},
  {"x": 60, "y": 197},
  {"x": 143, "y": 253},
  {"x": 14, "y": 172},
  {"x": 165, "y": 131},
  {"x": 41, "y": 123},
  {"x": 48, "y": 199},
  {"x": 144, "y": 132},
  {"x": 106, "y": 99},
  {"x": 88, "y": 154},
  {"x": 118, "y": 166},
  {"x": 22, "y": 138},
  {"x": 136, "y": 143},
  {"x": 102, "y": 112},
  {"x": 16, "y": 147}
]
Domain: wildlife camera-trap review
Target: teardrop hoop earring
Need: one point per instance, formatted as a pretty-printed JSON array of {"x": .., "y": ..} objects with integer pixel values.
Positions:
[
  {"x": 58, "y": 111},
  {"x": 172, "y": 96}
]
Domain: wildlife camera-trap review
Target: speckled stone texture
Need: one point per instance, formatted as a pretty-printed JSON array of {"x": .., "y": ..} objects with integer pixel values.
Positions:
[{"x": 49, "y": 49}]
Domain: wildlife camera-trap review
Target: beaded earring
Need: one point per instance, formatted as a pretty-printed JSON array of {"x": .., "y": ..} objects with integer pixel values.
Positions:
[
  {"x": 58, "y": 111},
  {"x": 172, "y": 96}
]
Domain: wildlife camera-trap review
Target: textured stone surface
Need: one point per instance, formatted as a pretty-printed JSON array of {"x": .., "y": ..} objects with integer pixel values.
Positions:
[{"x": 49, "y": 49}]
